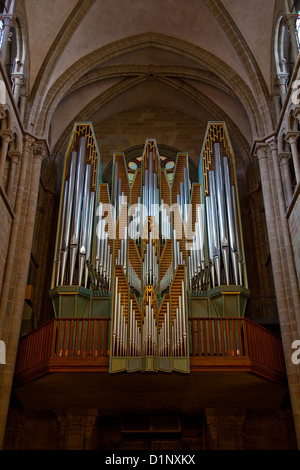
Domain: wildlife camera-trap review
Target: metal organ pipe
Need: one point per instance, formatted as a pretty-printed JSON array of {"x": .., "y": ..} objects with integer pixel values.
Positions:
[
  {"x": 116, "y": 177},
  {"x": 67, "y": 224},
  {"x": 153, "y": 337},
  {"x": 61, "y": 235},
  {"x": 77, "y": 206},
  {"x": 231, "y": 221},
  {"x": 84, "y": 224},
  {"x": 210, "y": 235},
  {"x": 214, "y": 227},
  {"x": 222, "y": 210},
  {"x": 238, "y": 237},
  {"x": 89, "y": 233},
  {"x": 76, "y": 229}
]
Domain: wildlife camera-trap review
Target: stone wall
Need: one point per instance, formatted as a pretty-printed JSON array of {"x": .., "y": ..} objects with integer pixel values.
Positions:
[
  {"x": 131, "y": 128},
  {"x": 294, "y": 225},
  {"x": 88, "y": 430},
  {"x": 6, "y": 221}
]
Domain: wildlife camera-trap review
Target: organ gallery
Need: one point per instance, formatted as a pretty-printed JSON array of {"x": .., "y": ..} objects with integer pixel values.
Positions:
[{"x": 152, "y": 251}]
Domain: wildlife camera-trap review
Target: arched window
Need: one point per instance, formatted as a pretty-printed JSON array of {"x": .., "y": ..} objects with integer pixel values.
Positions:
[
  {"x": 11, "y": 51},
  {"x": 15, "y": 59},
  {"x": 165, "y": 162},
  {"x": 298, "y": 29},
  {"x": 295, "y": 10},
  {"x": 3, "y": 9},
  {"x": 1, "y": 32},
  {"x": 283, "y": 54}
]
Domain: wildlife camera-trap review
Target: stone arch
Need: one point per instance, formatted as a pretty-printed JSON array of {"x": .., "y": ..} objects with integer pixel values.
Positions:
[
  {"x": 20, "y": 68},
  {"x": 15, "y": 144},
  {"x": 138, "y": 151},
  {"x": 42, "y": 115},
  {"x": 246, "y": 56},
  {"x": 5, "y": 119},
  {"x": 69, "y": 27},
  {"x": 117, "y": 89},
  {"x": 283, "y": 146},
  {"x": 279, "y": 39},
  {"x": 293, "y": 123}
]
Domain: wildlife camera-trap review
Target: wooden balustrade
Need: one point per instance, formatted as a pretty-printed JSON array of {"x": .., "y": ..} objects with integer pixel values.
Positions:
[
  {"x": 217, "y": 337},
  {"x": 36, "y": 347},
  {"x": 84, "y": 341},
  {"x": 82, "y": 337},
  {"x": 264, "y": 346},
  {"x": 64, "y": 338},
  {"x": 235, "y": 337}
]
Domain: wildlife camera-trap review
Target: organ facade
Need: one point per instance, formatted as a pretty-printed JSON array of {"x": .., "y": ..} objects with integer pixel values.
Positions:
[{"x": 151, "y": 251}]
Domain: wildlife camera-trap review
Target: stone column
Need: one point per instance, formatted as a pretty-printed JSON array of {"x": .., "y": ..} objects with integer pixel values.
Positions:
[
  {"x": 14, "y": 159},
  {"x": 287, "y": 250},
  {"x": 18, "y": 81},
  {"x": 276, "y": 101},
  {"x": 284, "y": 158},
  {"x": 39, "y": 152},
  {"x": 258, "y": 242},
  {"x": 6, "y": 137},
  {"x": 282, "y": 80},
  {"x": 10, "y": 262},
  {"x": 290, "y": 21},
  {"x": 287, "y": 335},
  {"x": 16, "y": 429},
  {"x": 44, "y": 241},
  {"x": 23, "y": 99},
  {"x": 76, "y": 428},
  {"x": 285, "y": 425},
  {"x": 8, "y": 21},
  {"x": 226, "y": 428},
  {"x": 291, "y": 138}
]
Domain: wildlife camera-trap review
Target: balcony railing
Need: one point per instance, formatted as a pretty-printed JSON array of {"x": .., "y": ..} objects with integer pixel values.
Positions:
[
  {"x": 83, "y": 344},
  {"x": 235, "y": 338},
  {"x": 63, "y": 343}
]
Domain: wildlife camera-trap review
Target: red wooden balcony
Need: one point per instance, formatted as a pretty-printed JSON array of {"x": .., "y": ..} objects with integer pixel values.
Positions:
[{"x": 216, "y": 344}]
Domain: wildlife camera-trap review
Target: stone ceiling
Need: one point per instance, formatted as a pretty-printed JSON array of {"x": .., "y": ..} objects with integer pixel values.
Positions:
[{"x": 93, "y": 59}]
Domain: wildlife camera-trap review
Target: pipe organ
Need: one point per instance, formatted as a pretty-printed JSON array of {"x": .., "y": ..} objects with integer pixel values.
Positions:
[{"x": 149, "y": 253}]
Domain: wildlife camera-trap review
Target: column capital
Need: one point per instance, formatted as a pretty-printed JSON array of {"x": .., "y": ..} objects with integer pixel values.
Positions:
[
  {"x": 40, "y": 149},
  {"x": 284, "y": 157},
  {"x": 291, "y": 137},
  {"x": 14, "y": 156},
  {"x": 7, "y": 136},
  {"x": 2, "y": 112},
  {"x": 296, "y": 112},
  {"x": 290, "y": 19},
  {"x": 8, "y": 19},
  {"x": 282, "y": 77},
  {"x": 226, "y": 427},
  {"x": 18, "y": 78},
  {"x": 260, "y": 150},
  {"x": 28, "y": 142},
  {"x": 76, "y": 428},
  {"x": 272, "y": 143}
]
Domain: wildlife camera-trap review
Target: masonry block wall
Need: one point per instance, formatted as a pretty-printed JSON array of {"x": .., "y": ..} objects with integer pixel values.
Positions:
[
  {"x": 71, "y": 429},
  {"x": 294, "y": 225}
]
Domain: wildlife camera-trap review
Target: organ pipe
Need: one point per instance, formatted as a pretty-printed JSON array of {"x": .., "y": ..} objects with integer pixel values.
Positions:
[{"x": 151, "y": 270}]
